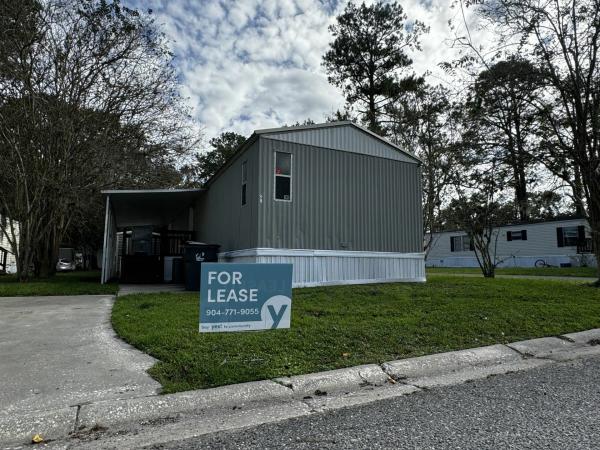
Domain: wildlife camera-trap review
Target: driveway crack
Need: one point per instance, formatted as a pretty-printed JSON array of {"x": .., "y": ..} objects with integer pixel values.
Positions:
[
  {"x": 287, "y": 384},
  {"x": 76, "y": 424}
]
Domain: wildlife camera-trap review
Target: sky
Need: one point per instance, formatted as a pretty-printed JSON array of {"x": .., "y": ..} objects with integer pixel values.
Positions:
[{"x": 252, "y": 64}]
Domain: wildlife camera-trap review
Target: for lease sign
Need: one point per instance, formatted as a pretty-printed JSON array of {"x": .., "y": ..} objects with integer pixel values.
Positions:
[{"x": 244, "y": 297}]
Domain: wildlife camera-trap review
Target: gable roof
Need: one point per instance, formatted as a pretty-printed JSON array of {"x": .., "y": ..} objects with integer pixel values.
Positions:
[{"x": 344, "y": 136}]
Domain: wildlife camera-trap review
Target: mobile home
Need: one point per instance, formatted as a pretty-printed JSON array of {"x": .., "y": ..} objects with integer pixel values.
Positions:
[
  {"x": 340, "y": 203},
  {"x": 8, "y": 263},
  {"x": 559, "y": 242}
]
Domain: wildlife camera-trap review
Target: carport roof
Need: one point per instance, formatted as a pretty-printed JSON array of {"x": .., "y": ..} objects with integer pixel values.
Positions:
[{"x": 158, "y": 207}]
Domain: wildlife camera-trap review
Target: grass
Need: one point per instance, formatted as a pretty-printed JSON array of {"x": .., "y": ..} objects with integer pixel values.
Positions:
[
  {"x": 542, "y": 271},
  {"x": 67, "y": 283},
  {"x": 340, "y": 326}
]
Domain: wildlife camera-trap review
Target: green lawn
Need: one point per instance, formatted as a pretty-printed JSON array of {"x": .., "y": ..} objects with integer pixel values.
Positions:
[
  {"x": 340, "y": 326},
  {"x": 543, "y": 271},
  {"x": 68, "y": 283}
]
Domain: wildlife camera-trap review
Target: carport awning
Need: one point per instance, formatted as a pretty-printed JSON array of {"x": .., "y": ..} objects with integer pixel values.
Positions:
[{"x": 150, "y": 207}]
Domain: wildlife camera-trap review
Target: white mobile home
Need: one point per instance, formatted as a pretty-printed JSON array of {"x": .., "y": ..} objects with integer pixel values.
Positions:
[
  {"x": 8, "y": 264},
  {"x": 558, "y": 243}
]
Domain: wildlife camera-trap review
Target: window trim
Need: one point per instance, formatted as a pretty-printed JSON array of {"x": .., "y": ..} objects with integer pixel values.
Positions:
[
  {"x": 510, "y": 235},
  {"x": 564, "y": 236},
  {"x": 244, "y": 188},
  {"x": 275, "y": 175},
  {"x": 463, "y": 239}
]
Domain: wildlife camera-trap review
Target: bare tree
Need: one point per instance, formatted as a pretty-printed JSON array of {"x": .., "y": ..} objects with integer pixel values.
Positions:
[
  {"x": 87, "y": 91},
  {"x": 562, "y": 37},
  {"x": 478, "y": 209}
]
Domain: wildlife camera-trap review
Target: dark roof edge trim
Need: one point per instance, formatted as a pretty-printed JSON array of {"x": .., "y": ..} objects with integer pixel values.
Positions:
[{"x": 148, "y": 191}]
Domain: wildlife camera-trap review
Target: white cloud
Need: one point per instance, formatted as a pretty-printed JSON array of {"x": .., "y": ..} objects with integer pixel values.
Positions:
[{"x": 257, "y": 63}]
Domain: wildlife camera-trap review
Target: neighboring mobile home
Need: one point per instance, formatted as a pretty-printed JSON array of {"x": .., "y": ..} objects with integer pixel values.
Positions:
[
  {"x": 554, "y": 242},
  {"x": 8, "y": 263},
  {"x": 340, "y": 203}
]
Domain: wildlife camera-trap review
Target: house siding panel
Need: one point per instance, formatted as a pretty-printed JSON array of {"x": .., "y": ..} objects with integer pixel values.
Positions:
[
  {"x": 220, "y": 217},
  {"x": 340, "y": 201}
]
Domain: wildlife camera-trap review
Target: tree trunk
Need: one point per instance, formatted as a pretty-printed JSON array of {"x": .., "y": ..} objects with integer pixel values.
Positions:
[
  {"x": 429, "y": 208},
  {"x": 594, "y": 221},
  {"x": 487, "y": 264},
  {"x": 47, "y": 253},
  {"x": 517, "y": 153},
  {"x": 578, "y": 193},
  {"x": 372, "y": 115},
  {"x": 42, "y": 262},
  {"x": 596, "y": 246},
  {"x": 521, "y": 195},
  {"x": 488, "y": 268},
  {"x": 23, "y": 258}
]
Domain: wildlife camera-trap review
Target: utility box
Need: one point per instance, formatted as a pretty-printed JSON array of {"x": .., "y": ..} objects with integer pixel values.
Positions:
[
  {"x": 194, "y": 254},
  {"x": 172, "y": 265}
]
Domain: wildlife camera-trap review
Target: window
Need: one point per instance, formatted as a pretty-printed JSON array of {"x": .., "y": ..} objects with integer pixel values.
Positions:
[
  {"x": 567, "y": 236},
  {"x": 283, "y": 176},
  {"x": 461, "y": 243},
  {"x": 244, "y": 180},
  {"x": 516, "y": 235}
]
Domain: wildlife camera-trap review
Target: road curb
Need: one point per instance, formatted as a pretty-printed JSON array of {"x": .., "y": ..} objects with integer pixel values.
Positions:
[
  {"x": 305, "y": 394},
  {"x": 19, "y": 428},
  {"x": 561, "y": 348},
  {"x": 459, "y": 366},
  {"x": 105, "y": 414},
  {"x": 348, "y": 379}
]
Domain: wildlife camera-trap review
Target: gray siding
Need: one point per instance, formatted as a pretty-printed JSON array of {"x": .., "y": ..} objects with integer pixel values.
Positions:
[
  {"x": 220, "y": 217},
  {"x": 345, "y": 138},
  {"x": 340, "y": 201}
]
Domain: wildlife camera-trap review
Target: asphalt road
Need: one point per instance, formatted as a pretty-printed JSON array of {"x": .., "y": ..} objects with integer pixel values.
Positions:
[{"x": 556, "y": 406}]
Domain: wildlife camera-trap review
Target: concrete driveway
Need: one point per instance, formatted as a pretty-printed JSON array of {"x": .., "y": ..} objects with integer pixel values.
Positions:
[{"x": 62, "y": 351}]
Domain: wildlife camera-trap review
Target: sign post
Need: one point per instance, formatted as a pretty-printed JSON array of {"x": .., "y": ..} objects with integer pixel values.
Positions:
[{"x": 245, "y": 297}]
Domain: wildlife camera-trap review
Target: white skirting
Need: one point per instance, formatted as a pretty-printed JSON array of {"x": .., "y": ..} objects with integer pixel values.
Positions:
[
  {"x": 331, "y": 267},
  {"x": 515, "y": 261}
]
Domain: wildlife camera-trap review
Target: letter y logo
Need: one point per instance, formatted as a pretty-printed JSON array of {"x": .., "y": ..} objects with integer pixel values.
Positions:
[
  {"x": 276, "y": 312},
  {"x": 276, "y": 316}
]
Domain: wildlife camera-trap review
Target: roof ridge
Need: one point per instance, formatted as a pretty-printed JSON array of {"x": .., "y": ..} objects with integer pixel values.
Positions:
[{"x": 337, "y": 124}]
